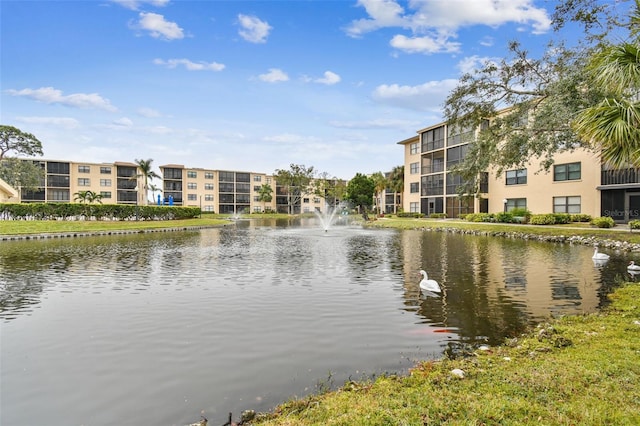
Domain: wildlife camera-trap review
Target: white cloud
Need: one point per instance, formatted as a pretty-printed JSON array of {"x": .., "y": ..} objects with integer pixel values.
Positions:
[
  {"x": 424, "y": 44},
  {"x": 253, "y": 29},
  {"x": 444, "y": 18},
  {"x": 381, "y": 123},
  {"x": 158, "y": 27},
  {"x": 149, "y": 112},
  {"x": 122, "y": 122},
  {"x": 135, "y": 4},
  {"x": 189, "y": 65},
  {"x": 383, "y": 13},
  {"x": 424, "y": 97},
  {"x": 49, "y": 95},
  {"x": 274, "y": 75},
  {"x": 472, "y": 63},
  {"x": 329, "y": 78},
  {"x": 64, "y": 122}
]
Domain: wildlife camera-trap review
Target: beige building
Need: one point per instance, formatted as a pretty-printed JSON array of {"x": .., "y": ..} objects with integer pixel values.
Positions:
[
  {"x": 576, "y": 183},
  {"x": 8, "y": 194}
]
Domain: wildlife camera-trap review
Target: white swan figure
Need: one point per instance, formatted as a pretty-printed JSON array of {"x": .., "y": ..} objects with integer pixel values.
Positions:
[
  {"x": 429, "y": 285},
  {"x": 633, "y": 267},
  {"x": 599, "y": 256}
]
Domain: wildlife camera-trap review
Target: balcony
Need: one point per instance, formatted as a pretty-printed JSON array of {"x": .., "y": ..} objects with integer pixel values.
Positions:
[{"x": 620, "y": 176}]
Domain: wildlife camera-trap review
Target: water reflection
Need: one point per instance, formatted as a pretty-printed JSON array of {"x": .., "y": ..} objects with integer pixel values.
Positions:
[{"x": 248, "y": 315}]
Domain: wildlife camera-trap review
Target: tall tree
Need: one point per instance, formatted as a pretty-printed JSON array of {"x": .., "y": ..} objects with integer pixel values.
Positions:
[
  {"x": 396, "y": 183},
  {"x": 23, "y": 175},
  {"x": 329, "y": 188},
  {"x": 613, "y": 124},
  {"x": 295, "y": 182},
  {"x": 360, "y": 191},
  {"x": 265, "y": 195},
  {"x": 544, "y": 93},
  {"x": 380, "y": 184},
  {"x": 147, "y": 174},
  {"x": 19, "y": 142}
]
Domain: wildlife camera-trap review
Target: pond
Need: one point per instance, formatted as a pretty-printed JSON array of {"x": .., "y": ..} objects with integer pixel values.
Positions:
[{"x": 163, "y": 328}]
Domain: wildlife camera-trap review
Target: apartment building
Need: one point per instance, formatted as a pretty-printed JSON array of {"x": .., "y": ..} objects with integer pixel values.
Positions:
[
  {"x": 219, "y": 191},
  {"x": 117, "y": 183},
  {"x": 576, "y": 183}
]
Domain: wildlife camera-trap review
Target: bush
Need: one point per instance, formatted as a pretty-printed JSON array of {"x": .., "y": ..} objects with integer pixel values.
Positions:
[
  {"x": 409, "y": 214},
  {"x": 54, "y": 211},
  {"x": 480, "y": 217},
  {"x": 542, "y": 219},
  {"x": 603, "y": 222},
  {"x": 580, "y": 217},
  {"x": 438, "y": 215},
  {"x": 562, "y": 218},
  {"x": 520, "y": 212},
  {"x": 634, "y": 224},
  {"x": 504, "y": 217}
]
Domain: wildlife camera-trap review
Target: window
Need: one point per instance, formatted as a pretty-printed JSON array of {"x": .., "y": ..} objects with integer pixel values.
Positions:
[
  {"x": 243, "y": 187},
  {"x": 208, "y": 187},
  {"x": 459, "y": 135},
  {"x": 566, "y": 204},
  {"x": 516, "y": 203},
  {"x": 257, "y": 178},
  {"x": 226, "y": 187},
  {"x": 105, "y": 194},
  {"x": 433, "y": 139},
  {"x": 226, "y": 176},
  {"x": 192, "y": 185},
  {"x": 191, "y": 174},
  {"x": 570, "y": 171},
  {"x": 208, "y": 175},
  {"x": 305, "y": 200},
  {"x": 105, "y": 170},
  {"x": 172, "y": 173},
  {"x": 58, "y": 195},
  {"x": 413, "y": 148},
  {"x": 414, "y": 207},
  {"x": 516, "y": 177},
  {"x": 192, "y": 197},
  {"x": 414, "y": 187},
  {"x": 414, "y": 168},
  {"x": 58, "y": 168},
  {"x": 84, "y": 169},
  {"x": 58, "y": 181},
  {"x": 84, "y": 182},
  {"x": 243, "y": 177},
  {"x": 105, "y": 182},
  {"x": 316, "y": 200},
  {"x": 456, "y": 155},
  {"x": 433, "y": 185},
  {"x": 207, "y": 208},
  {"x": 208, "y": 197}
]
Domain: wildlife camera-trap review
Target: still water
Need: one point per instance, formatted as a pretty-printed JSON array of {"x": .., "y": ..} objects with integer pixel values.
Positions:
[{"x": 162, "y": 328}]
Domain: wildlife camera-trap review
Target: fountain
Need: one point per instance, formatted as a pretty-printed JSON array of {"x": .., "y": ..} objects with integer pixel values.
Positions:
[{"x": 326, "y": 218}]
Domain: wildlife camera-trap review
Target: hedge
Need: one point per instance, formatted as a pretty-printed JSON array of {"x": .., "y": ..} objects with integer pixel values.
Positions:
[{"x": 62, "y": 211}]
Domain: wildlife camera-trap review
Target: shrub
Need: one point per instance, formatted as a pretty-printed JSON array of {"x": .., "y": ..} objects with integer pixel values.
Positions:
[
  {"x": 438, "y": 215},
  {"x": 634, "y": 224},
  {"x": 542, "y": 219},
  {"x": 410, "y": 214},
  {"x": 520, "y": 212},
  {"x": 480, "y": 217},
  {"x": 580, "y": 217},
  {"x": 603, "y": 222},
  {"x": 504, "y": 217},
  {"x": 562, "y": 218}
]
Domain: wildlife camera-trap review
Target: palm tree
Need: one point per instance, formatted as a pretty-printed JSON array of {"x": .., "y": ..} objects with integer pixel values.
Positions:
[
  {"x": 613, "y": 125},
  {"x": 396, "y": 183},
  {"x": 380, "y": 183},
  {"x": 265, "y": 195},
  {"x": 147, "y": 174},
  {"x": 87, "y": 197}
]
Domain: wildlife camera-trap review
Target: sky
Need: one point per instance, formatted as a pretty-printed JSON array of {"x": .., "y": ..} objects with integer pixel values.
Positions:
[{"x": 246, "y": 85}]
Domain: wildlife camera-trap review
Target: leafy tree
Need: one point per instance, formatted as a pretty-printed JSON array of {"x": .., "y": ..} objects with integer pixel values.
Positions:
[
  {"x": 360, "y": 192},
  {"x": 544, "y": 95},
  {"x": 19, "y": 142},
  {"x": 613, "y": 124},
  {"x": 265, "y": 195},
  {"x": 23, "y": 175},
  {"x": 396, "y": 182},
  {"x": 147, "y": 174},
  {"x": 380, "y": 183},
  {"x": 295, "y": 182},
  {"x": 331, "y": 189}
]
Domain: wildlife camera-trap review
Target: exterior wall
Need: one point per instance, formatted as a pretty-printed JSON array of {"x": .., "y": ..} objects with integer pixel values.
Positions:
[
  {"x": 8, "y": 194},
  {"x": 541, "y": 188},
  {"x": 411, "y": 198}
]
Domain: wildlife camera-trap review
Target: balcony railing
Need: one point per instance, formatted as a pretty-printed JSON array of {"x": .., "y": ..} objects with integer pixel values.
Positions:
[{"x": 620, "y": 176}]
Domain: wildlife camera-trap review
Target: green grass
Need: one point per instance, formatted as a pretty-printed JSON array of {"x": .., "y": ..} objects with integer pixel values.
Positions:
[
  {"x": 579, "y": 370},
  {"x": 578, "y": 229}
]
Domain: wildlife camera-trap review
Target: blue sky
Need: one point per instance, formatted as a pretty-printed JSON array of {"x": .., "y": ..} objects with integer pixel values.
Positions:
[{"x": 246, "y": 85}]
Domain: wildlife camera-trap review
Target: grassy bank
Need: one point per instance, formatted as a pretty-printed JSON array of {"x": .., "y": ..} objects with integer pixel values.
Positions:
[
  {"x": 578, "y": 370},
  {"x": 30, "y": 227}
]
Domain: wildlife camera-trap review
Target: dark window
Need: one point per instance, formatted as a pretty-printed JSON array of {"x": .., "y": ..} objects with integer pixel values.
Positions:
[
  {"x": 243, "y": 177},
  {"x": 58, "y": 168},
  {"x": 172, "y": 173},
  {"x": 433, "y": 139},
  {"x": 414, "y": 187},
  {"x": 58, "y": 181},
  {"x": 570, "y": 171},
  {"x": 516, "y": 177},
  {"x": 225, "y": 187},
  {"x": 226, "y": 176},
  {"x": 433, "y": 185}
]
